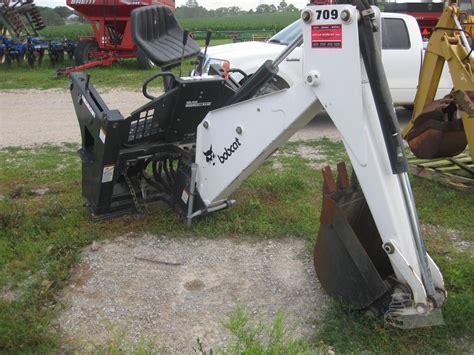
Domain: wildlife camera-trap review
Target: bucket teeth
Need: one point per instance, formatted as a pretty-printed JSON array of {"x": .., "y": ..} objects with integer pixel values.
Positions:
[
  {"x": 348, "y": 257},
  {"x": 336, "y": 190},
  {"x": 343, "y": 182}
]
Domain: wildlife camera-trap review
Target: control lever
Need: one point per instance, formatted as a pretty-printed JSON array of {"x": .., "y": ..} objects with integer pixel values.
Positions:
[
  {"x": 208, "y": 40},
  {"x": 185, "y": 40}
]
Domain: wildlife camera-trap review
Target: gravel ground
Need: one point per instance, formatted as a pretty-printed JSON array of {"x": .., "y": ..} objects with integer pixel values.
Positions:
[
  {"x": 47, "y": 116},
  {"x": 173, "y": 291}
]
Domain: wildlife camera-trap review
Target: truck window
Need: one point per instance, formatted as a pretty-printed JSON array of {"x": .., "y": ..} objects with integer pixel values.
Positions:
[{"x": 394, "y": 34}]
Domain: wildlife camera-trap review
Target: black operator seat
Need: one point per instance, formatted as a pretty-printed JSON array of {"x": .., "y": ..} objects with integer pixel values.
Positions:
[{"x": 156, "y": 32}]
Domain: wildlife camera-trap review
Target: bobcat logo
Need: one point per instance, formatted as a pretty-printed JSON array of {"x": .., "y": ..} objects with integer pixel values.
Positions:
[{"x": 210, "y": 156}]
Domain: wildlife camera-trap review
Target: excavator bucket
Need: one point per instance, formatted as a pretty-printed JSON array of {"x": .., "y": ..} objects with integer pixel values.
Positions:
[
  {"x": 349, "y": 259},
  {"x": 437, "y": 132}
]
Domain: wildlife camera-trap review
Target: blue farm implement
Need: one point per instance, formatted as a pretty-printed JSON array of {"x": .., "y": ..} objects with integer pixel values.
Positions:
[
  {"x": 33, "y": 50},
  {"x": 20, "y": 22}
]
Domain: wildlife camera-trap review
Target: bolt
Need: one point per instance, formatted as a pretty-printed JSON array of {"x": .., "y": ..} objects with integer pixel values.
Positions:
[
  {"x": 306, "y": 16},
  {"x": 389, "y": 248},
  {"x": 205, "y": 124},
  {"x": 309, "y": 79},
  {"x": 421, "y": 308},
  {"x": 239, "y": 130},
  {"x": 345, "y": 15}
]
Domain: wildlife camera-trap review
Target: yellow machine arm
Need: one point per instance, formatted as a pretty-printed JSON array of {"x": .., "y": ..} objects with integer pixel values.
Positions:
[{"x": 435, "y": 130}]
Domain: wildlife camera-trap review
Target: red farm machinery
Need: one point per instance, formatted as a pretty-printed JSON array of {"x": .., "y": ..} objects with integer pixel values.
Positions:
[
  {"x": 427, "y": 13},
  {"x": 112, "y": 39}
]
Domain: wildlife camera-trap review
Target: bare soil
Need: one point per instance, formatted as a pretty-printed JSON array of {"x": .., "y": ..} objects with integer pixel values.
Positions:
[{"x": 172, "y": 291}]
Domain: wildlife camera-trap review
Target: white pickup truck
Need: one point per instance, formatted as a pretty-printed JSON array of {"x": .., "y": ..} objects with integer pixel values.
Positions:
[{"x": 402, "y": 55}]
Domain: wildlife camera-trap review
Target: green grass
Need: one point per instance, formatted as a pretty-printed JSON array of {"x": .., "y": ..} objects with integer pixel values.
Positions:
[
  {"x": 273, "y": 21},
  {"x": 252, "y": 22},
  {"x": 124, "y": 74},
  {"x": 41, "y": 238},
  {"x": 254, "y": 337},
  {"x": 71, "y": 32}
]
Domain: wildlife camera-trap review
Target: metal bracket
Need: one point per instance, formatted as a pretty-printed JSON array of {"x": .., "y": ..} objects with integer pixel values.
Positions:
[
  {"x": 416, "y": 286},
  {"x": 192, "y": 188}
]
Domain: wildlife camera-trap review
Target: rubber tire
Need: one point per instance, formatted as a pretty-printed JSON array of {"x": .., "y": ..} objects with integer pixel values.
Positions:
[
  {"x": 143, "y": 61},
  {"x": 83, "y": 49}
]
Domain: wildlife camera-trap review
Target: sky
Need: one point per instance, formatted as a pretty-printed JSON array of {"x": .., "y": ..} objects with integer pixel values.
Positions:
[{"x": 209, "y": 4}]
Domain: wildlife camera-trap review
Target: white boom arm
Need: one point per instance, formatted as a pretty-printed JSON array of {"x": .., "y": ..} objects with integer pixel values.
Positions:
[{"x": 243, "y": 135}]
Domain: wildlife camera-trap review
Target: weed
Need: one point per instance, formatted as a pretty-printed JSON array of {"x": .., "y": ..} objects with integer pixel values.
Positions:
[{"x": 251, "y": 337}]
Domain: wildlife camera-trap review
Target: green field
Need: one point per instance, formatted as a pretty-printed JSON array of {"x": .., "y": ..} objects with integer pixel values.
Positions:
[
  {"x": 273, "y": 21},
  {"x": 255, "y": 22},
  {"x": 124, "y": 74}
]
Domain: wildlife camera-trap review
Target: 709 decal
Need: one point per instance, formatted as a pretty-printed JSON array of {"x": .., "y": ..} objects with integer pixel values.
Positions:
[{"x": 326, "y": 14}]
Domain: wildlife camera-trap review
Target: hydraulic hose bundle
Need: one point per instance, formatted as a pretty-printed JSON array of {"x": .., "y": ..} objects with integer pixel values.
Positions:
[{"x": 391, "y": 131}]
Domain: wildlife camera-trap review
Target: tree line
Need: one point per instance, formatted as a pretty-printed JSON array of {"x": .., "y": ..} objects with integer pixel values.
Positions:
[
  {"x": 192, "y": 9},
  {"x": 57, "y": 16}
]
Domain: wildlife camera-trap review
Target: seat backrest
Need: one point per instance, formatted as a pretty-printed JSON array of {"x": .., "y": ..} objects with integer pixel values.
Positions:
[{"x": 157, "y": 33}]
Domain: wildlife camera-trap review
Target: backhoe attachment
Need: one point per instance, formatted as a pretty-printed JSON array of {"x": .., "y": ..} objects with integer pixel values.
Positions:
[
  {"x": 194, "y": 145},
  {"x": 443, "y": 128}
]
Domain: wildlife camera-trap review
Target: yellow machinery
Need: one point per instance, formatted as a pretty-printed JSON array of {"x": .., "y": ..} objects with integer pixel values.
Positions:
[{"x": 435, "y": 129}]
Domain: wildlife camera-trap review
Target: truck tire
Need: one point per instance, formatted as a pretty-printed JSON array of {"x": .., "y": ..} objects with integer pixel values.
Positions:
[
  {"x": 83, "y": 50},
  {"x": 143, "y": 61}
]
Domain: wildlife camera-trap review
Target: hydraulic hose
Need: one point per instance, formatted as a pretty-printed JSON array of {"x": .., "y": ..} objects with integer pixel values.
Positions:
[
  {"x": 380, "y": 90},
  {"x": 263, "y": 75},
  {"x": 390, "y": 129}
]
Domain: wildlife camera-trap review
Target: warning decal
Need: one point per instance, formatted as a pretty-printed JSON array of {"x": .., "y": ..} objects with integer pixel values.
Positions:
[
  {"x": 326, "y": 36},
  {"x": 108, "y": 173}
]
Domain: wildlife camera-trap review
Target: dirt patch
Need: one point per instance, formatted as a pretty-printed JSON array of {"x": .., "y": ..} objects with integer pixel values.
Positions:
[
  {"x": 456, "y": 238},
  {"x": 173, "y": 291},
  {"x": 315, "y": 156}
]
